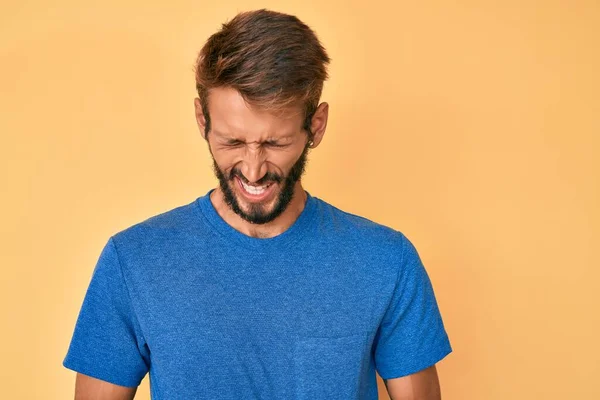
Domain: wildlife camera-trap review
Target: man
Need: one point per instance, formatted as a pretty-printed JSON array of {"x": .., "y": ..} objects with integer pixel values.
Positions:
[{"x": 258, "y": 290}]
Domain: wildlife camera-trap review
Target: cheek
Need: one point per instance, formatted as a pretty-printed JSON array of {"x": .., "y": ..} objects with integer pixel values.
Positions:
[
  {"x": 284, "y": 160},
  {"x": 279, "y": 162},
  {"x": 226, "y": 160}
]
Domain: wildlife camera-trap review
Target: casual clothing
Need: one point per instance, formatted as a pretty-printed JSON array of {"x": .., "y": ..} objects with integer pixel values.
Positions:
[{"x": 212, "y": 313}]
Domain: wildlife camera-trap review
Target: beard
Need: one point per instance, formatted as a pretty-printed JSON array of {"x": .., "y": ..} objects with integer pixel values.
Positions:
[{"x": 257, "y": 214}]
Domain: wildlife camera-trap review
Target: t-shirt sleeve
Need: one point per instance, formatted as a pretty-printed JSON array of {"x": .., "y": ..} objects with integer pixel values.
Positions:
[
  {"x": 411, "y": 336},
  {"x": 107, "y": 341}
]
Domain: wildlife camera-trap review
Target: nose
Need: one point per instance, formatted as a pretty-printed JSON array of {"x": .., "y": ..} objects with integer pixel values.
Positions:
[{"x": 254, "y": 165}]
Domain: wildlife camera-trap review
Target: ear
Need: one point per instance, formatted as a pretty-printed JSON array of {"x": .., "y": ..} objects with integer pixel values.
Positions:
[
  {"x": 318, "y": 124},
  {"x": 200, "y": 118}
]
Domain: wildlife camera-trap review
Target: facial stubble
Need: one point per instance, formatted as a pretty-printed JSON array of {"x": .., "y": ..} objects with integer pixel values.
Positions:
[{"x": 256, "y": 214}]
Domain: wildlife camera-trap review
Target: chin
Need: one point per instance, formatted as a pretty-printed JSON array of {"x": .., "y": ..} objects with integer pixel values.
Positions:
[{"x": 247, "y": 206}]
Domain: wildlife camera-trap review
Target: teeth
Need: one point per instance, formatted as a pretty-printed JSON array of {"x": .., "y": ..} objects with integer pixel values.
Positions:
[{"x": 256, "y": 190}]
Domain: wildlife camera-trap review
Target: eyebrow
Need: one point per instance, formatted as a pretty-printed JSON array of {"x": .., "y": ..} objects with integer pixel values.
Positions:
[{"x": 232, "y": 138}]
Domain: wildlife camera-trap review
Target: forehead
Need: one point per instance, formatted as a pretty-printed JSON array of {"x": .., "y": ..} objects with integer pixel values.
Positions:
[{"x": 232, "y": 116}]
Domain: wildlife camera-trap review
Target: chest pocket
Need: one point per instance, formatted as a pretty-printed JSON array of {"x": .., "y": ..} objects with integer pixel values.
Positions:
[{"x": 330, "y": 367}]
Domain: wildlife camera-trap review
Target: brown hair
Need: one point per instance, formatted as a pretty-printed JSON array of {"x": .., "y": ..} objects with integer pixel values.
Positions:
[{"x": 273, "y": 59}]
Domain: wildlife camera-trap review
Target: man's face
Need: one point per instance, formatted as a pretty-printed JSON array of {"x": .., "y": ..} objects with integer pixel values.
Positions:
[
  {"x": 258, "y": 212},
  {"x": 258, "y": 157}
]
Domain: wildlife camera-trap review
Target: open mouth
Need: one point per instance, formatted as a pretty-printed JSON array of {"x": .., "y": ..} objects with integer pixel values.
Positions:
[{"x": 255, "y": 192}]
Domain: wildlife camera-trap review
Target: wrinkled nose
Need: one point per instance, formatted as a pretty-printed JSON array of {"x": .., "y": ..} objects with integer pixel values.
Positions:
[{"x": 254, "y": 166}]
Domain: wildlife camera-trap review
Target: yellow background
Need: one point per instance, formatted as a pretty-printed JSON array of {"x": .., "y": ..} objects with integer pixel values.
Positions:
[{"x": 471, "y": 126}]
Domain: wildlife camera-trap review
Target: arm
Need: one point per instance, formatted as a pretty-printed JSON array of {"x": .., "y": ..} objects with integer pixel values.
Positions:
[
  {"x": 423, "y": 385},
  {"x": 108, "y": 350},
  {"x": 89, "y": 388}
]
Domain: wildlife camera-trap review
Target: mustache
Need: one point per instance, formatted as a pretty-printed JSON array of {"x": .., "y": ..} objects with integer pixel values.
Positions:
[{"x": 269, "y": 177}]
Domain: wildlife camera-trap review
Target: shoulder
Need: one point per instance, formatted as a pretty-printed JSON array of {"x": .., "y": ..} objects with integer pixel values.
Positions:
[
  {"x": 167, "y": 225},
  {"x": 354, "y": 227}
]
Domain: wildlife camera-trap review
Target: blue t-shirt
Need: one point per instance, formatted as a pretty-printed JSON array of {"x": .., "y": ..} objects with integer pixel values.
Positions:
[{"x": 211, "y": 313}]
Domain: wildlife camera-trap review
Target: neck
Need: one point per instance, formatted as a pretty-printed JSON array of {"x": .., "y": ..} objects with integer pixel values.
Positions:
[{"x": 268, "y": 230}]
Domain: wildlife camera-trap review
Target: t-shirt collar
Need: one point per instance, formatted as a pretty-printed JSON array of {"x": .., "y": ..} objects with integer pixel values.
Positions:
[{"x": 293, "y": 233}]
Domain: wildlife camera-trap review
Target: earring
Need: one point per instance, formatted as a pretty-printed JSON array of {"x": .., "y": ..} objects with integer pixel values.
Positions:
[{"x": 310, "y": 143}]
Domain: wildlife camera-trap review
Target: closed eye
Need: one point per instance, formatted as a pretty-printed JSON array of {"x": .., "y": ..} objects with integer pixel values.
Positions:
[
  {"x": 275, "y": 144},
  {"x": 234, "y": 143}
]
